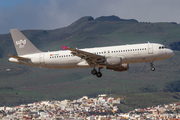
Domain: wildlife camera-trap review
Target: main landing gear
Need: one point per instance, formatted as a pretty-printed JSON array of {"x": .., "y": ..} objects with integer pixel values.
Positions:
[
  {"x": 98, "y": 74},
  {"x": 152, "y": 67}
]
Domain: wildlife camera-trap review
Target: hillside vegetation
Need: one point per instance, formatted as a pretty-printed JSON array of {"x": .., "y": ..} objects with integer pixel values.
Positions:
[{"x": 34, "y": 84}]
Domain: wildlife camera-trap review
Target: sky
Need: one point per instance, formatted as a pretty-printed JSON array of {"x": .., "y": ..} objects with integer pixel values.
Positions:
[{"x": 53, "y": 14}]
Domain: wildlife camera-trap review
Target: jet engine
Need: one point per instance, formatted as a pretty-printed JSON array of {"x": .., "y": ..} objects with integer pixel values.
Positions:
[
  {"x": 113, "y": 61},
  {"x": 123, "y": 67}
]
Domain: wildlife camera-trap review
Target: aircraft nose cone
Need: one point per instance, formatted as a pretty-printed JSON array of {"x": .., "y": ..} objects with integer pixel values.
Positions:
[{"x": 171, "y": 53}]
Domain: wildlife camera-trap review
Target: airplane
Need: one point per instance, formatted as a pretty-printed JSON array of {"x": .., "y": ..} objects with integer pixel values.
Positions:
[{"x": 115, "y": 58}]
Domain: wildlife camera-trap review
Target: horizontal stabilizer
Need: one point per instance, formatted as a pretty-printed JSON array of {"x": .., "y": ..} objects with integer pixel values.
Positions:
[{"x": 17, "y": 57}]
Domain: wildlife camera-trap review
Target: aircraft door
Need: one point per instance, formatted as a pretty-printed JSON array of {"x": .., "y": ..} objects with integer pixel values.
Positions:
[
  {"x": 150, "y": 48},
  {"x": 41, "y": 59}
]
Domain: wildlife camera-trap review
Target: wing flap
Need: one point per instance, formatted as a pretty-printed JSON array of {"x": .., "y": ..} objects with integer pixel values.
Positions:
[
  {"x": 91, "y": 58},
  {"x": 81, "y": 53}
]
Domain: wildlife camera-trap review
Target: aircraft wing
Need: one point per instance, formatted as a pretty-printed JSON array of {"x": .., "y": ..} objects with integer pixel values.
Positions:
[
  {"x": 91, "y": 58},
  {"x": 17, "y": 57}
]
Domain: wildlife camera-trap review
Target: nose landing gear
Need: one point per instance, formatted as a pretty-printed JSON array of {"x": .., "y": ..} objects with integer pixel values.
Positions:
[
  {"x": 152, "y": 67},
  {"x": 98, "y": 74}
]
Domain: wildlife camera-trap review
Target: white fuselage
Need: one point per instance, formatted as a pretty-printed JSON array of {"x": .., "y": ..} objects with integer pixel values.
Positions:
[{"x": 147, "y": 52}]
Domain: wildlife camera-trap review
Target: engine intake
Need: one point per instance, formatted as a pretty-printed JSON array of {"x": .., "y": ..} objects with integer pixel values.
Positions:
[{"x": 113, "y": 61}]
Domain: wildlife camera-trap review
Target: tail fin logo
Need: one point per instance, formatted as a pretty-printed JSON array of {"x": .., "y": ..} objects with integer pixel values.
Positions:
[{"x": 21, "y": 43}]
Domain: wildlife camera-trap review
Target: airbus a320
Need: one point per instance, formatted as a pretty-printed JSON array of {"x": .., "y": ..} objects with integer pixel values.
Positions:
[{"x": 115, "y": 58}]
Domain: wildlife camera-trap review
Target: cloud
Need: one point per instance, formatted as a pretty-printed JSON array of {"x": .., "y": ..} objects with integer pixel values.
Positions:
[{"x": 52, "y": 14}]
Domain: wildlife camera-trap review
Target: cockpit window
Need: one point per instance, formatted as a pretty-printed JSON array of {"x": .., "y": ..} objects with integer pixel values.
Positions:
[{"x": 162, "y": 47}]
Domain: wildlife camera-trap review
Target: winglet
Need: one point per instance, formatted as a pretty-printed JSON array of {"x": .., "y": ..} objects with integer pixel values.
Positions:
[{"x": 64, "y": 47}]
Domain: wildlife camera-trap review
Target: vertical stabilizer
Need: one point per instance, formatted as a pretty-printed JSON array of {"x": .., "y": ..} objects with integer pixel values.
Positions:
[{"x": 22, "y": 44}]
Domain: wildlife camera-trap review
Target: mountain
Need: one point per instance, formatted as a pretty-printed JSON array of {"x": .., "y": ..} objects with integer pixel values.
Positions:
[
  {"x": 114, "y": 18},
  {"x": 22, "y": 84}
]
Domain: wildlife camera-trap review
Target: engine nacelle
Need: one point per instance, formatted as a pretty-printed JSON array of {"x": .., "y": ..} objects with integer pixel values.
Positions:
[
  {"x": 113, "y": 61},
  {"x": 123, "y": 67}
]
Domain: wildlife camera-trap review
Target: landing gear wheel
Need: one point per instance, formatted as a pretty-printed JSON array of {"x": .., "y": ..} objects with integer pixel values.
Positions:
[
  {"x": 153, "y": 69},
  {"x": 99, "y": 74},
  {"x": 94, "y": 72}
]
